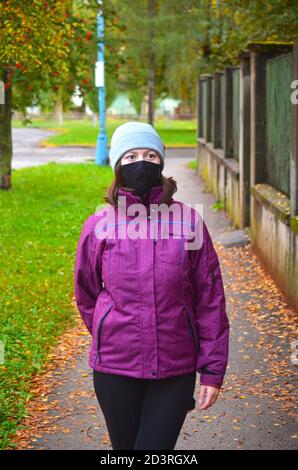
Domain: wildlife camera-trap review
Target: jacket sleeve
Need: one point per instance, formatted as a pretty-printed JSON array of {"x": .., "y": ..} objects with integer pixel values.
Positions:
[
  {"x": 87, "y": 275},
  {"x": 210, "y": 311}
]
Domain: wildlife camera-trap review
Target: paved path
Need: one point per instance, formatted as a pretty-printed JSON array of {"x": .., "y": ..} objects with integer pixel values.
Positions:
[
  {"x": 255, "y": 408},
  {"x": 28, "y": 152}
]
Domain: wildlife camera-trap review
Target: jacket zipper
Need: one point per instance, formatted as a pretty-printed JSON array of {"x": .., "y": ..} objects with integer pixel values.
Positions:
[
  {"x": 154, "y": 243},
  {"x": 155, "y": 235},
  {"x": 194, "y": 337},
  {"x": 98, "y": 356}
]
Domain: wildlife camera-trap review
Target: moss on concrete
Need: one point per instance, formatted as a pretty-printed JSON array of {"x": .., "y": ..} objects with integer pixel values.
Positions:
[
  {"x": 274, "y": 200},
  {"x": 294, "y": 224}
]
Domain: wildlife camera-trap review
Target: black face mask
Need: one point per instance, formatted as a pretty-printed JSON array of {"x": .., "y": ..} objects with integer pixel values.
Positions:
[{"x": 141, "y": 176}]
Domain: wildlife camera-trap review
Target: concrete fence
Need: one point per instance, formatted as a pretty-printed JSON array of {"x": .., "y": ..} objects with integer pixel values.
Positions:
[{"x": 247, "y": 151}]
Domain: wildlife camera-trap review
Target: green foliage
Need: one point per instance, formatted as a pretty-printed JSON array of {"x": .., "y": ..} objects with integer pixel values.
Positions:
[
  {"x": 231, "y": 25},
  {"x": 34, "y": 47},
  {"x": 186, "y": 38},
  {"x": 169, "y": 37},
  {"x": 49, "y": 47}
]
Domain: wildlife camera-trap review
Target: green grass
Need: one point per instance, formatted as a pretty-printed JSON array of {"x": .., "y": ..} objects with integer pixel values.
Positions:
[
  {"x": 84, "y": 132},
  {"x": 218, "y": 205},
  {"x": 193, "y": 165},
  {"x": 41, "y": 220}
]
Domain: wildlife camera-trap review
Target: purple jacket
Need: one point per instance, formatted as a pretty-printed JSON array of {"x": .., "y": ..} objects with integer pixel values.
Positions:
[{"x": 154, "y": 309}]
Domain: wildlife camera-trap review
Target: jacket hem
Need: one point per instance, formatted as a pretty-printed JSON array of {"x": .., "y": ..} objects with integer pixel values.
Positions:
[{"x": 138, "y": 375}]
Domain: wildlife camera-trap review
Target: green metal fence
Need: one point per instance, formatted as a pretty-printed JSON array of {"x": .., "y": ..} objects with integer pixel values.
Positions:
[
  {"x": 235, "y": 114},
  {"x": 203, "y": 85},
  {"x": 278, "y": 117},
  {"x": 278, "y": 121},
  {"x": 212, "y": 106},
  {"x": 222, "y": 108}
]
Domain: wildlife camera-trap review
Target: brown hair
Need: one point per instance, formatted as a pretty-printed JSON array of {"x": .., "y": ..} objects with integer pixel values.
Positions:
[{"x": 111, "y": 197}]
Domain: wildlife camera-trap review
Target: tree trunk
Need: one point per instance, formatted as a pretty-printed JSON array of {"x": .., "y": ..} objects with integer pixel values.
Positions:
[
  {"x": 151, "y": 75},
  {"x": 59, "y": 107},
  {"x": 5, "y": 132},
  {"x": 144, "y": 106},
  {"x": 151, "y": 89}
]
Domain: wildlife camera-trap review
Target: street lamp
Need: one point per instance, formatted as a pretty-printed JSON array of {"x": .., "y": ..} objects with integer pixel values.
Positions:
[{"x": 101, "y": 156}]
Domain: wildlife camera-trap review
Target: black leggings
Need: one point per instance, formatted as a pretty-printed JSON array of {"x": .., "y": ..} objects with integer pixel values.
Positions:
[{"x": 144, "y": 413}]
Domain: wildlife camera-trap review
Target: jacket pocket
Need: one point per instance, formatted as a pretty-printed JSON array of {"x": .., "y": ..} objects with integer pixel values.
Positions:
[
  {"x": 169, "y": 247},
  {"x": 173, "y": 247},
  {"x": 192, "y": 329},
  {"x": 99, "y": 332}
]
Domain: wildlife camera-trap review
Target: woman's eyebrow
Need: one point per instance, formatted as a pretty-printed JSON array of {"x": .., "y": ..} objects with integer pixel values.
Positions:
[{"x": 134, "y": 151}]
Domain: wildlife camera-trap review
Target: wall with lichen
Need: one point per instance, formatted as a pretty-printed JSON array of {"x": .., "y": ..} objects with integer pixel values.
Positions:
[
  {"x": 274, "y": 235},
  {"x": 220, "y": 181}
]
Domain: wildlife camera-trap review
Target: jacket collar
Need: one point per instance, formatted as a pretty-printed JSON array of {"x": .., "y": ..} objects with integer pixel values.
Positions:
[{"x": 153, "y": 196}]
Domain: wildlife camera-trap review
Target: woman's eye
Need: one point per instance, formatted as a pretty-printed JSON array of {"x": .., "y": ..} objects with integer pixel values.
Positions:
[{"x": 150, "y": 155}]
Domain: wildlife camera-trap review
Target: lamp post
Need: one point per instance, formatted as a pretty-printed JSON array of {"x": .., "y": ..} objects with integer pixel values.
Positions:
[{"x": 101, "y": 156}]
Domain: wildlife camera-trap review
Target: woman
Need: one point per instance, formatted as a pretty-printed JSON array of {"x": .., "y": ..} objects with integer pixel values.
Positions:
[{"x": 154, "y": 304}]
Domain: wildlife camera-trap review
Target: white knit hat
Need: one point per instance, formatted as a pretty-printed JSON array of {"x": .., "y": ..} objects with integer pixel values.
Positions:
[{"x": 132, "y": 135}]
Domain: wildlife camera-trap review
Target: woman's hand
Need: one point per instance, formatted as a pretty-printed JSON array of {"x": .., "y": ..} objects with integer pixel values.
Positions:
[{"x": 207, "y": 396}]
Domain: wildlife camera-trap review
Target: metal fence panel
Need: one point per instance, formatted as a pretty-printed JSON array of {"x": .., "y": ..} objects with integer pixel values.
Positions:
[
  {"x": 236, "y": 105},
  {"x": 278, "y": 121},
  {"x": 222, "y": 109}
]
